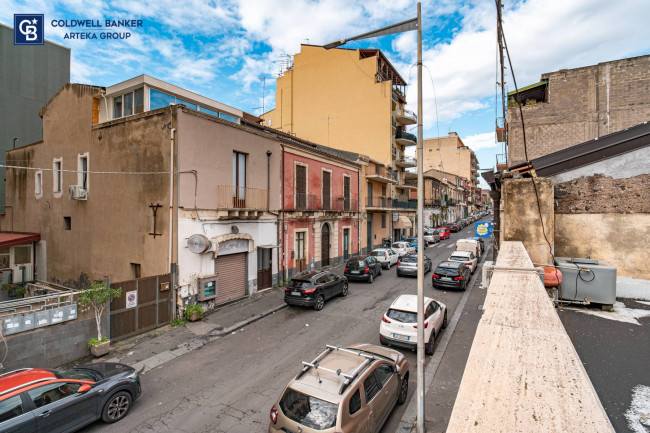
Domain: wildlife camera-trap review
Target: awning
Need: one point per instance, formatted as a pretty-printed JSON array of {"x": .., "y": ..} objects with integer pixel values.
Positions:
[
  {"x": 10, "y": 239},
  {"x": 402, "y": 223}
]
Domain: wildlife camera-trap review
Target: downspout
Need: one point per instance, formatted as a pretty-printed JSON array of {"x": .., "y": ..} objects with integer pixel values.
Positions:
[
  {"x": 282, "y": 259},
  {"x": 359, "y": 209},
  {"x": 177, "y": 177},
  {"x": 171, "y": 219}
]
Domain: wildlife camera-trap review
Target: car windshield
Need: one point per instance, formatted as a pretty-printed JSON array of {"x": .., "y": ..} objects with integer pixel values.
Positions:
[
  {"x": 402, "y": 316},
  {"x": 396, "y": 245},
  {"x": 446, "y": 272},
  {"x": 298, "y": 284},
  {"x": 308, "y": 411},
  {"x": 356, "y": 264},
  {"x": 459, "y": 258},
  {"x": 409, "y": 259},
  {"x": 378, "y": 253},
  {"x": 73, "y": 374}
]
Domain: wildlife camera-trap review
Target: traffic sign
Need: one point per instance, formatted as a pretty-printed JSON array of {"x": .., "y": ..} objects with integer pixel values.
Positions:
[
  {"x": 483, "y": 230},
  {"x": 132, "y": 299}
]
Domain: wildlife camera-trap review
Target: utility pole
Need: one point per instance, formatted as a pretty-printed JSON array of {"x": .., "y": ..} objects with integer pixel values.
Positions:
[{"x": 503, "y": 84}]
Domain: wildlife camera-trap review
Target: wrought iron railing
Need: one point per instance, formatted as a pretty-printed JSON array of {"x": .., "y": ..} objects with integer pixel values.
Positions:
[{"x": 316, "y": 202}]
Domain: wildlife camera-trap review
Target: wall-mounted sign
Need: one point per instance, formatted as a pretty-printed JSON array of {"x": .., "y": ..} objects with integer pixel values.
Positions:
[
  {"x": 483, "y": 230},
  {"x": 132, "y": 299}
]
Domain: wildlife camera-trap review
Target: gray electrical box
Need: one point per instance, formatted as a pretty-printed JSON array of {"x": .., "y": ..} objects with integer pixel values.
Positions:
[
  {"x": 28, "y": 322},
  {"x": 56, "y": 315},
  {"x": 587, "y": 278},
  {"x": 70, "y": 312},
  {"x": 12, "y": 325},
  {"x": 41, "y": 318}
]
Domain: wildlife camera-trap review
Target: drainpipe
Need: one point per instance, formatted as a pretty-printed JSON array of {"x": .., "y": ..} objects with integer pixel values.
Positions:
[
  {"x": 282, "y": 258},
  {"x": 268, "y": 178},
  {"x": 171, "y": 220}
]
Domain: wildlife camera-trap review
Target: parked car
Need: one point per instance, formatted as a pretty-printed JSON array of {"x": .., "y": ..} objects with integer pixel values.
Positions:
[
  {"x": 364, "y": 268},
  {"x": 408, "y": 265},
  {"x": 466, "y": 257},
  {"x": 319, "y": 399},
  {"x": 453, "y": 227},
  {"x": 398, "y": 326},
  {"x": 413, "y": 242},
  {"x": 402, "y": 248},
  {"x": 431, "y": 236},
  {"x": 443, "y": 232},
  {"x": 468, "y": 245},
  {"x": 386, "y": 256},
  {"x": 481, "y": 245},
  {"x": 49, "y": 400},
  {"x": 313, "y": 288},
  {"x": 451, "y": 275}
]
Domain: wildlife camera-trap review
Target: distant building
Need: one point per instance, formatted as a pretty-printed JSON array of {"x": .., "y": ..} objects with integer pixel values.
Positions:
[
  {"x": 572, "y": 106},
  {"x": 31, "y": 75}
]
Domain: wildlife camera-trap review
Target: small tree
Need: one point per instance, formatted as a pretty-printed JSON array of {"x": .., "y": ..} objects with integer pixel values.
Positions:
[{"x": 98, "y": 296}]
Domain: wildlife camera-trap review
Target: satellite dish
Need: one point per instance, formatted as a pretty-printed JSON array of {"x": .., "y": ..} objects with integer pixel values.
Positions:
[{"x": 198, "y": 244}]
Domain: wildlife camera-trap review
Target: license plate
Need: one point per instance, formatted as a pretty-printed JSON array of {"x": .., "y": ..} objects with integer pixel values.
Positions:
[
  {"x": 446, "y": 278},
  {"x": 401, "y": 337},
  {"x": 295, "y": 293},
  {"x": 354, "y": 272}
]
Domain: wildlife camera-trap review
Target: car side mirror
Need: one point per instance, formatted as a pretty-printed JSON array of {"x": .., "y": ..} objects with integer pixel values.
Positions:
[
  {"x": 84, "y": 388},
  {"x": 397, "y": 369}
]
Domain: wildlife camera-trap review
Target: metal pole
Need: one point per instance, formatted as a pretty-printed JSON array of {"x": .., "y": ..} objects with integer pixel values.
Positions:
[{"x": 420, "y": 226}]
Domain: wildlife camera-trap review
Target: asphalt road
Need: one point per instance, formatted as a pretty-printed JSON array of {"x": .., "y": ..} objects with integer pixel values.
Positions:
[{"x": 230, "y": 384}]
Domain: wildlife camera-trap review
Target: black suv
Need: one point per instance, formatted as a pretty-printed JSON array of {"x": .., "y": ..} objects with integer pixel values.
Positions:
[
  {"x": 313, "y": 288},
  {"x": 451, "y": 275},
  {"x": 364, "y": 268}
]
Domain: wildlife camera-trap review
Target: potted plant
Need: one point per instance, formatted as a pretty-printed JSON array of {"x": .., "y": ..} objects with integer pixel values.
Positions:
[
  {"x": 10, "y": 288},
  {"x": 193, "y": 313},
  {"x": 98, "y": 296}
]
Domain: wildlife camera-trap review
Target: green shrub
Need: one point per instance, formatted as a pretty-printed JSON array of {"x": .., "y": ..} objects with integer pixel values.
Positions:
[
  {"x": 192, "y": 308},
  {"x": 95, "y": 342},
  {"x": 178, "y": 321}
]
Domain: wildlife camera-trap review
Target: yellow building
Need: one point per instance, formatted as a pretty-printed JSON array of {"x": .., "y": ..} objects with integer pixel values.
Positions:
[
  {"x": 354, "y": 100},
  {"x": 449, "y": 154}
]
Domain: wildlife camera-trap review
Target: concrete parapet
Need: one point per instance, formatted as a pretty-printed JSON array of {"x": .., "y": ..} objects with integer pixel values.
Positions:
[{"x": 523, "y": 373}]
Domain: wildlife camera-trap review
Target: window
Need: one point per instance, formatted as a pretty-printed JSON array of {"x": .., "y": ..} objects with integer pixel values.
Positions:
[
  {"x": 4, "y": 258},
  {"x": 52, "y": 392},
  {"x": 301, "y": 187},
  {"x": 207, "y": 288},
  {"x": 187, "y": 104},
  {"x": 135, "y": 270},
  {"x": 159, "y": 99},
  {"x": 227, "y": 117},
  {"x": 138, "y": 100},
  {"x": 327, "y": 188},
  {"x": 355, "y": 402},
  {"x": 22, "y": 254},
  {"x": 128, "y": 104},
  {"x": 307, "y": 410},
  {"x": 117, "y": 107},
  {"x": 346, "y": 192},
  {"x": 82, "y": 171},
  {"x": 38, "y": 184},
  {"x": 67, "y": 223},
  {"x": 371, "y": 387},
  {"x": 57, "y": 172},
  {"x": 383, "y": 373},
  {"x": 383, "y": 221},
  {"x": 239, "y": 178},
  {"x": 11, "y": 408}
]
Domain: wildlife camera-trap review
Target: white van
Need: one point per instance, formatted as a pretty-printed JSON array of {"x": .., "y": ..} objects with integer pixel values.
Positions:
[{"x": 469, "y": 245}]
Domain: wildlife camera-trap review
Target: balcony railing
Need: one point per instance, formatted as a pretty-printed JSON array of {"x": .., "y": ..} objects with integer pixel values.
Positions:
[
  {"x": 390, "y": 203},
  {"x": 405, "y": 161},
  {"x": 406, "y": 117},
  {"x": 316, "y": 202},
  {"x": 411, "y": 204},
  {"x": 240, "y": 197},
  {"x": 381, "y": 174},
  {"x": 405, "y": 138}
]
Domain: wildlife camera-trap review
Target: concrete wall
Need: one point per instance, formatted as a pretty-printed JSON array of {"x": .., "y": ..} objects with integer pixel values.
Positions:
[
  {"x": 521, "y": 218},
  {"x": 110, "y": 230},
  {"x": 29, "y": 76},
  {"x": 583, "y": 104},
  {"x": 444, "y": 154}
]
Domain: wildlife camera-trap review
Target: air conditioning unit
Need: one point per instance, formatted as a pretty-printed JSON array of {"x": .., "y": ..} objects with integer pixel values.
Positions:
[{"x": 76, "y": 192}]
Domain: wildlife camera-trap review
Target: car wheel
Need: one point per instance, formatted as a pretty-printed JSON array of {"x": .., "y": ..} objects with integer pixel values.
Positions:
[
  {"x": 370, "y": 278},
  {"x": 431, "y": 345},
  {"x": 403, "y": 390},
  {"x": 116, "y": 407},
  {"x": 399, "y": 274},
  {"x": 386, "y": 266},
  {"x": 344, "y": 292},
  {"x": 379, "y": 272},
  {"x": 465, "y": 286},
  {"x": 444, "y": 321},
  {"x": 320, "y": 303}
]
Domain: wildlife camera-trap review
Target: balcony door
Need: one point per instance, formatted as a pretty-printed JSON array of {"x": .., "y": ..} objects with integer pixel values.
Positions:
[
  {"x": 327, "y": 187},
  {"x": 346, "y": 193},
  {"x": 301, "y": 256},
  {"x": 239, "y": 180},
  {"x": 325, "y": 245},
  {"x": 301, "y": 187}
]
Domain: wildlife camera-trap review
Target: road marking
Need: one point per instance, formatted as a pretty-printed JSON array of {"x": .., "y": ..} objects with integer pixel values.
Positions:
[
  {"x": 407, "y": 423},
  {"x": 450, "y": 246}
]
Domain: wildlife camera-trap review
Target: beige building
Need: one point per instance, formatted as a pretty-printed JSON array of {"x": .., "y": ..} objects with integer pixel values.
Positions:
[
  {"x": 354, "y": 100},
  {"x": 449, "y": 154}
]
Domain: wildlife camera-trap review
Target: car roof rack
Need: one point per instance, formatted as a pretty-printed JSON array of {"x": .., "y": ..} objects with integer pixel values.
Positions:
[
  {"x": 15, "y": 371},
  {"x": 349, "y": 377}
]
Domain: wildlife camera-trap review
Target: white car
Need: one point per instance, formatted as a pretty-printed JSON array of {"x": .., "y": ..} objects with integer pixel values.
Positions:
[
  {"x": 469, "y": 245},
  {"x": 403, "y": 248},
  {"x": 398, "y": 326},
  {"x": 466, "y": 257},
  {"x": 386, "y": 256},
  {"x": 431, "y": 237}
]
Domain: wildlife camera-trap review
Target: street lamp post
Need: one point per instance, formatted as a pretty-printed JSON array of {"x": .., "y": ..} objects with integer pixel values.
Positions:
[{"x": 405, "y": 26}]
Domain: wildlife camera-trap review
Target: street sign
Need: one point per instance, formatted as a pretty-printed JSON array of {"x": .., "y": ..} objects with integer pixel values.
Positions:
[
  {"x": 132, "y": 299},
  {"x": 483, "y": 230}
]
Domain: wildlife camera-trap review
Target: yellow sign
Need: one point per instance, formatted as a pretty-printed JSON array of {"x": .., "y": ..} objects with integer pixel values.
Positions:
[{"x": 482, "y": 229}]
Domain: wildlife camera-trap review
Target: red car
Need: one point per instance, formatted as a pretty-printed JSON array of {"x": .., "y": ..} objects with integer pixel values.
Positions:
[
  {"x": 453, "y": 227},
  {"x": 444, "y": 232}
]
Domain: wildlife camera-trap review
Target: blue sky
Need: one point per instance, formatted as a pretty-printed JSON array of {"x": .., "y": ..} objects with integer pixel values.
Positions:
[{"x": 221, "y": 49}]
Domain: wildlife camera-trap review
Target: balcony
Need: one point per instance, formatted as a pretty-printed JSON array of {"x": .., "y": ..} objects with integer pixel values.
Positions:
[
  {"x": 405, "y": 117},
  {"x": 401, "y": 204},
  {"x": 324, "y": 203},
  {"x": 239, "y": 198},
  {"x": 379, "y": 203},
  {"x": 380, "y": 174},
  {"x": 502, "y": 161},
  {"x": 405, "y": 138},
  {"x": 405, "y": 161},
  {"x": 432, "y": 203}
]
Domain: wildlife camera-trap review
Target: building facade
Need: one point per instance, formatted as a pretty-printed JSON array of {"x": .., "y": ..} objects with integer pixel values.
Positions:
[
  {"x": 353, "y": 100},
  {"x": 571, "y": 106},
  {"x": 31, "y": 75}
]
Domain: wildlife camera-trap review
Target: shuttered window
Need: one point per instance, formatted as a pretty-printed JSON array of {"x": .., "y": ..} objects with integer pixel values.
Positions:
[
  {"x": 327, "y": 189},
  {"x": 301, "y": 187}
]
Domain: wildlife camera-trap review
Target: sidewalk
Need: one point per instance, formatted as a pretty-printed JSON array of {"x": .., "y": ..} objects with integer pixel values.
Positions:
[{"x": 159, "y": 346}]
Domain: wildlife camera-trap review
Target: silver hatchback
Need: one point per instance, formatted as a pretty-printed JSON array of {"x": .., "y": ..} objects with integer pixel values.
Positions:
[{"x": 408, "y": 265}]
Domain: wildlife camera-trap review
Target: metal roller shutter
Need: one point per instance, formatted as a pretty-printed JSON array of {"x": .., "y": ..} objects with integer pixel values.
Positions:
[{"x": 231, "y": 272}]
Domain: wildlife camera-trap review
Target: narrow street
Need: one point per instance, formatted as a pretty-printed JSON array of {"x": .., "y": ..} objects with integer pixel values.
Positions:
[{"x": 230, "y": 385}]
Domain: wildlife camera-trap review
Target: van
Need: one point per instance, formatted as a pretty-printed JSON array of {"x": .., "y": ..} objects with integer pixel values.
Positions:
[{"x": 469, "y": 245}]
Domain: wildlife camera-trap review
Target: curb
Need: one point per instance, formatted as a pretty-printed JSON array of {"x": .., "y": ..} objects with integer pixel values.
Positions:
[{"x": 219, "y": 333}]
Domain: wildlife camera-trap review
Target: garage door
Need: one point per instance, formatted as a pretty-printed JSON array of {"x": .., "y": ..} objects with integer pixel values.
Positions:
[{"x": 231, "y": 274}]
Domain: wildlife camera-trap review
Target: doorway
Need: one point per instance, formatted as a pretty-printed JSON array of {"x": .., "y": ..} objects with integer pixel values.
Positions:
[
  {"x": 325, "y": 245},
  {"x": 346, "y": 244},
  {"x": 369, "y": 234},
  {"x": 301, "y": 262},
  {"x": 264, "y": 272}
]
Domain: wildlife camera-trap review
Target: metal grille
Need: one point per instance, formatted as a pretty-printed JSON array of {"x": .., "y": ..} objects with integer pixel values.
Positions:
[{"x": 231, "y": 273}]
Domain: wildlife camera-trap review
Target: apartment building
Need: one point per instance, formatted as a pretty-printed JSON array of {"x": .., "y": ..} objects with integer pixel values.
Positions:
[{"x": 354, "y": 100}]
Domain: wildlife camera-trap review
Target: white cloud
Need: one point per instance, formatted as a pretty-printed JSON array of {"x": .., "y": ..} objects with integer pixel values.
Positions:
[{"x": 485, "y": 140}]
